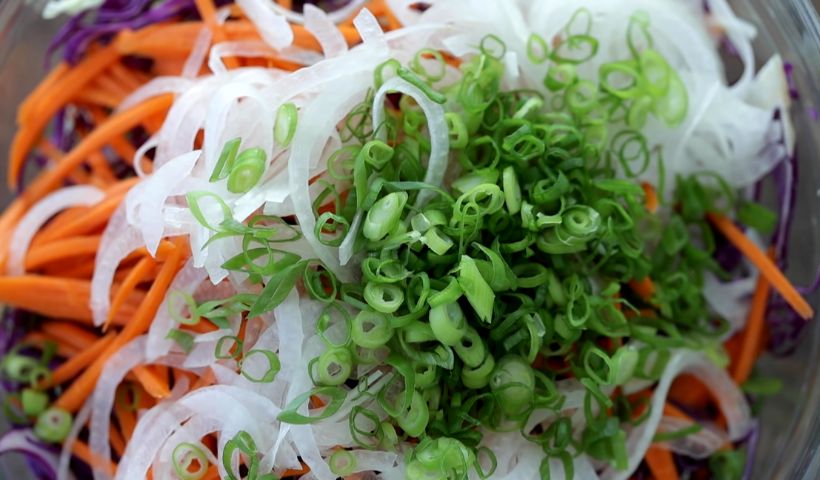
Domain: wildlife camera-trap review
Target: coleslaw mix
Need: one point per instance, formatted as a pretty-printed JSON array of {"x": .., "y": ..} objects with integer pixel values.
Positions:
[{"x": 397, "y": 239}]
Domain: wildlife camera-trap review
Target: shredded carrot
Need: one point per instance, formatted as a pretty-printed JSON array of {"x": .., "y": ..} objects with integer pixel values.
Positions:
[
  {"x": 84, "y": 453},
  {"x": 645, "y": 288},
  {"x": 30, "y": 104},
  {"x": 752, "y": 333},
  {"x": 49, "y": 101},
  {"x": 61, "y": 250},
  {"x": 293, "y": 472},
  {"x": 661, "y": 463},
  {"x": 136, "y": 275},
  {"x": 116, "y": 439},
  {"x": 68, "y": 369},
  {"x": 75, "y": 395},
  {"x": 88, "y": 219},
  {"x": 766, "y": 266},
  {"x": 39, "y": 339},
  {"x": 651, "y": 200},
  {"x": 673, "y": 411},
  {"x": 67, "y": 298},
  {"x": 126, "y": 419},
  {"x": 151, "y": 382},
  {"x": 70, "y": 334}
]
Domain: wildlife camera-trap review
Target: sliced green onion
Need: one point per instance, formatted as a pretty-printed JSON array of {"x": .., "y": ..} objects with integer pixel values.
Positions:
[
  {"x": 228, "y": 347},
  {"x": 415, "y": 419},
  {"x": 383, "y": 217},
  {"x": 53, "y": 425},
  {"x": 290, "y": 415},
  {"x": 34, "y": 402},
  {"x": 334, "y": 366},
  {"x": 270, "y": 371},
  {"x": 537, "y": 49},
  {"x": 224, "y": 163},
  {"x": 513, "y": 384},
  {"x": 342, "y": 463},
  {"x": 285, "y": 127},
  {"x": 448, "y": 323},
  {"x": 475, "y": 288},
  {"x": 247, "y": 170},
  {"x": 370, "y": 329},
  {"x": 189, "y": 461}
]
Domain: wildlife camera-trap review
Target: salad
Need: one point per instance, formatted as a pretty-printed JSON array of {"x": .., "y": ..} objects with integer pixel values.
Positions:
[{"x": 397, "y": 239}]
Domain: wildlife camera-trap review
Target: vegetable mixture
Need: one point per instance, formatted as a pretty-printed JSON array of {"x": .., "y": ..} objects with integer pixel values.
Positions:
[{"x": 396, "y": 239}]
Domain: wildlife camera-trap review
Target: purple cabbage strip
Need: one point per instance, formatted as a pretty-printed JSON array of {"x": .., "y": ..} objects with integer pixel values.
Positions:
[
  {"x": 75, "y": 37},
  {"x": 788, "y": 69},
  {"x": 41, "y": 458},
  {"x": 785, "y": 327},
  {"x": 751, "y": 441}
]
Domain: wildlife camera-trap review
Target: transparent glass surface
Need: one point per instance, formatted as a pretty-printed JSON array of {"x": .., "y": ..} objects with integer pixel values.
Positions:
[{"x": 789, "y": 445}]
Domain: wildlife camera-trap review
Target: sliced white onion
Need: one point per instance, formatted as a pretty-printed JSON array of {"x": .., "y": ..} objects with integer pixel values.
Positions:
[
  {"x": 322, "y": 27},
  {"x": 273, "y": 27},
  {"x": 701, "y": 444},
  {"x": 40, "y": 213},
  {"x": 154, "y": 87},
  {"x": 198, "y": 53},
  {"x": 63, "y": 472},
  {"x": 144, "y": 202},
  {"x": 369, "y": 28},
  {"x": 729, "y": 398},
  {"x": 336, "y": 16},
  {"x": 118, "y": 240},
  {"x": 187, "y": 280},
  {"x": 102, "y": 401}
]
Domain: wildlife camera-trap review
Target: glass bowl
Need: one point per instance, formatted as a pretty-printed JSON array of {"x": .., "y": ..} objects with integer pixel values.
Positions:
[{"x": 789, "y": 443}]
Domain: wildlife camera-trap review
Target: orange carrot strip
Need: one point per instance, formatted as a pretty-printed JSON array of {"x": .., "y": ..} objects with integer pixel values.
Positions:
[
  {"x": 76, "y": 394},
  {"x": 68, "y": 369},
  {"x": 115, "y": 126},
  {"x": 51, "y": 179},
  {"x": 661, "y": 463},
  {"x": 766, "y": 266},
  {"x": 100, "y": 97},
  {"x": 116, "y": 439},
  {"x": 89, "y": 218},
  {"x": 126, "y": 77},
  {"x": 293, "y": 472},
  {"x": 126, "y": 419},
  {"x": 645, "y": 288},
  {"x": 100, "y": 167},
  {"x": 127, "y": 286},
  {"x": 672, "y": 411},
  {"x": 70, "y": 334},
  {"x": 66, "y": 298},
  {"x": 60, "y": 250},
  {"x": 50, "y": 101},
  {"x": 207, "y": 11},
  {"x": 651, "y": 201},
  {"x": 31, "y": 103},
  {"x": 151, "y": 382},
  {"x": 81, "y": 451},
  {"x": 751, "y": 335},
  {"x": 212, "y": 473},
  {"x": 39, "y": 340}
]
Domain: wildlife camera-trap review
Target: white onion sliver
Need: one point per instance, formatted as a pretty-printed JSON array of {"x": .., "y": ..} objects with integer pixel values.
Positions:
[
  {"x": 118, "y": 240},
  {"x": 274, "y": 28},
  {"x": 40, "y": 213},
  {"x": 320, "y": 26}
]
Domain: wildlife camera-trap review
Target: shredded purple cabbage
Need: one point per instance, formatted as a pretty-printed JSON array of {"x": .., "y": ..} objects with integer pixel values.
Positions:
[
  {"x": 751, "y": 441},
  {"x": 113, "y": 16},
  {"x": 788, "y": 69},
  {"x": 41, "y": 458}
]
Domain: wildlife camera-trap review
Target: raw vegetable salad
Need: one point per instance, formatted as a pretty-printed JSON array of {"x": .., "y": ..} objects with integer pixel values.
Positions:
[{"x": 396, "y": 239}]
